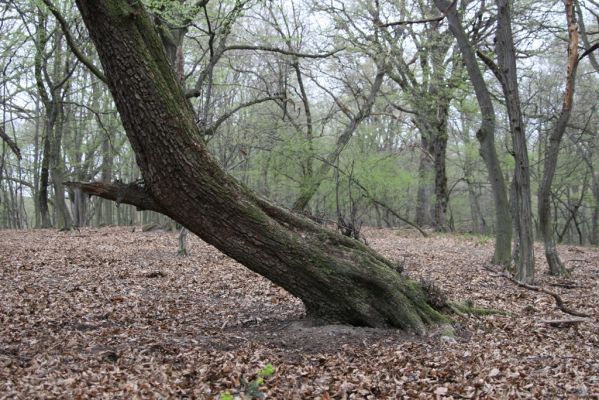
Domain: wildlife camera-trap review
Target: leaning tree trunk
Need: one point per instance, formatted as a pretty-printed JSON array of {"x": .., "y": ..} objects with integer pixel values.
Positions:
[
  {"x": 338, "y": 279},
  {"x": 556, "y": 267}
]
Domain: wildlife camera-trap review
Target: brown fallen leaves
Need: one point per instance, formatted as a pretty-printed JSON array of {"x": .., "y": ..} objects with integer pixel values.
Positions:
[{"x": 107, "y": 313}]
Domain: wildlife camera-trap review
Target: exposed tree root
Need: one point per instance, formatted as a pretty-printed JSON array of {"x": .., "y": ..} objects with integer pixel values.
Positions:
[
  {"x": 559, "y": 303},
  {"x": 468, "y": 308}
]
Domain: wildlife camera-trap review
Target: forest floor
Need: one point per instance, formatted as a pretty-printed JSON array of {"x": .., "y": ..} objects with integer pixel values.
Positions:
[{"x": 111, "y": 313}]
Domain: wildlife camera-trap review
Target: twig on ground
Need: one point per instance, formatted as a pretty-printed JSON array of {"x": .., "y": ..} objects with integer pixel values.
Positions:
[
  {"x": 564, "y": 323},
  {"x": 567, "y": 285}
]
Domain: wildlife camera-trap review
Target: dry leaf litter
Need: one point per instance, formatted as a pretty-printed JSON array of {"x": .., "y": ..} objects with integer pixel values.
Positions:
[{"x": 110, "y": 313}]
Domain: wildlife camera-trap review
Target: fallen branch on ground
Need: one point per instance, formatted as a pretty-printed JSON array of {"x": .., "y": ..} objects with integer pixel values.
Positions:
[{"x": 564, "y": 323}]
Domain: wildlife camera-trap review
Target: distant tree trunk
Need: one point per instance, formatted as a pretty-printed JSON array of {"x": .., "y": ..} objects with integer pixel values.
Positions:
[
  {"x": 424, "y": 194},
  {"x": 439, "y": 152},
  {"x": 63, "y": 216},
  {"x": 556, "y": 267},
  {"x": 338, "y": 279},
  {"x": 36, "y": 167},
  {"x": 182, "y": 242},
  {"x": 478, "y": 224},
  {"x": 105, "y": 211},
  {"x": 79, "y": 208},
  {"x": 50, "y": 117},
  {"x": 594, "y": 240},
  {"x": 45, "y": 178},
  {"x": 51, "y": 98},
  {"x": 430, "y": 92},
  {"x": 485, "y": 136},
  {"x": 506, "y": 60},
  {"x": 432, "y": 175}
]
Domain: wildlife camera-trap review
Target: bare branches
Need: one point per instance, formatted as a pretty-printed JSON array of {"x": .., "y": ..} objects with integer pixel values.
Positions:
[
  {"x": 211, "y": 130},
  {"x": 387, "y": 207},
  {"x": 71, "y": 42},
  {"x": 378, "y": 23}
]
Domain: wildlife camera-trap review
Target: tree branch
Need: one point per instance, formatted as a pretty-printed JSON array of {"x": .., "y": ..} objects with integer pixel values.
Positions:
[
  {"x": 71, "y": 42},
  {"x": 13, "y": 146},
  {"x": 131, "y": 193},
  {"x": 491, "y": 65},
  {"x": 589, "y": 51},
  {"x": 386, "y": 207},
  {"x": 378, "y": 23},
  {"x": 211, "y": 130},
  {"x": 281, "y": 51}
]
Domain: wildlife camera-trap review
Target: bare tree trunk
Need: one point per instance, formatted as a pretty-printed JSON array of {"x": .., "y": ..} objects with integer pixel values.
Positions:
[
  {"x": 506, "y": 60},
  {"x": 439, "y": 152},
  {"x": 63, "y": 217},
  {"x": 338, "y": 279},
  {"x": 45, "y": 179},
  {"x": 485, "y": 136},
  {"x": 106, "y": 176},
  {"x": 425, "y": 186},
  {"x": 594, "y": 240},
  {"x": 556, "y": 267}
]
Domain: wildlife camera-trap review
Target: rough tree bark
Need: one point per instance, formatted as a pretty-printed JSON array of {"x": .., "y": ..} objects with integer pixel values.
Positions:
[
  {"x": 42, "y": 190},
  {"x": 424, "y": 214},
  {"x": 432, "y": 164},
  {"x": 485, "y": 135},
  {"x": 440, "y": 154},
  {"x": 556, "y": 267},
  {"x": 506, "y": 63},
  {"x": 338, "y": 279}
]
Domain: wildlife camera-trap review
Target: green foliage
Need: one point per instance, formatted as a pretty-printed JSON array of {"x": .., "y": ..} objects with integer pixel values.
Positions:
[
  {"x": 252, "y": 389},
  {"x": 226, "y": 396},
  {"x": 268, "y": 370},
  {"x": 173, "y": 12}
]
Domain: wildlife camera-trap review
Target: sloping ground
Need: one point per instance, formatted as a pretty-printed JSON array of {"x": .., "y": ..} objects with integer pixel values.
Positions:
[{"x": 110, "y": 313}]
